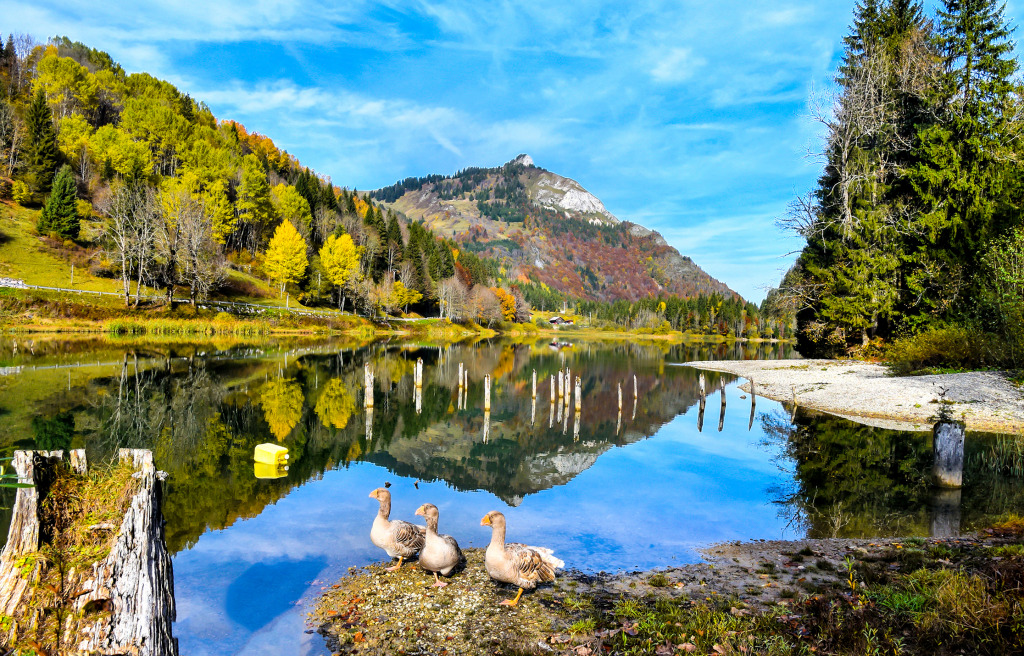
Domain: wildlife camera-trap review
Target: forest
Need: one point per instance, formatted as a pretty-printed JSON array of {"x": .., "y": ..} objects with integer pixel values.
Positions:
[
  {"x": 913, "y": 239},
  {"x": 162, "y": 195}
]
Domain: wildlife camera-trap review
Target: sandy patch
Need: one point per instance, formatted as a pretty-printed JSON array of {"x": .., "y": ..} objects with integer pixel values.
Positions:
[{"x": 864, "y": 392}]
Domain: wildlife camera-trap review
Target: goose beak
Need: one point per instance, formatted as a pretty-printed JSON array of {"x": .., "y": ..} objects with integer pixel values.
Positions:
[
  {"x": 486, "y": 521},
  {"x": 373, "y": 495},
  {"x": 419, "y": 511}
]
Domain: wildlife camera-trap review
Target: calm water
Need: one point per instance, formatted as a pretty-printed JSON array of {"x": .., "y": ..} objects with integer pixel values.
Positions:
[{"x": 613, "y": 492}]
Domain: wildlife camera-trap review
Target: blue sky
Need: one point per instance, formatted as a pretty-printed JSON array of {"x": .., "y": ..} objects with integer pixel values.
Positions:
[{"x": 686, "y": 116}]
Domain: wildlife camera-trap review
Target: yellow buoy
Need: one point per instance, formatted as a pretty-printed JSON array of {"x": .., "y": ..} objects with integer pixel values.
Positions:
[
  {"x": 271, "y": 454},
  {"x": 266, "y": 470}
]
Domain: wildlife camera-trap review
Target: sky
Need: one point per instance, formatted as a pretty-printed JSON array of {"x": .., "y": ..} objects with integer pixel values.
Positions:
[{"x": 690, "y": 117}]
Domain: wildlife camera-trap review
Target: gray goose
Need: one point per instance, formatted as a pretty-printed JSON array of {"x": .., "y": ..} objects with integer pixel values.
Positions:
[
  {"x": 440, "y": 553},
  {"x": 397, "y": 538},
  {"x": 511, "y": 562}
]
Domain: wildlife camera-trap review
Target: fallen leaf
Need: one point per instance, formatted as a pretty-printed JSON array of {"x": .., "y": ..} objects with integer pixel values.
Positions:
[
  {"x": 688, "y": 647},
  {"x": 719, "y": 648}
]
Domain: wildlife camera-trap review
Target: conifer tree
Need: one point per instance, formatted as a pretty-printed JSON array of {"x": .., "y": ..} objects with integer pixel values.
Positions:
[
  {"x": 41, "y": 155},
  {"x": 60, "y": 214},
  {"x": 254, "y": 206}
]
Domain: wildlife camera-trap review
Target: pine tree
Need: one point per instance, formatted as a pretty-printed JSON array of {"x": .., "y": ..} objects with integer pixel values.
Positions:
[
  {"x": 254, "y": 206},
  {"x": 41, "y": 153},
  {"x": 60, "y": 214}
]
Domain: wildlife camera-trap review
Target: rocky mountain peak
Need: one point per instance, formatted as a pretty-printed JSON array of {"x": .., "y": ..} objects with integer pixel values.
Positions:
[{"x": 523, "y": 159}]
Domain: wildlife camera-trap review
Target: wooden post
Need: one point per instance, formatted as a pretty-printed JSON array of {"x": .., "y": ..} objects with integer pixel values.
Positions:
[
  {"x": 561, "y": 385},
  {"x": 369, "y": 424},
  {"x": 618, "y": 422},
  {"x": 487, "y": 393},
  {"x": 551, "y": 414},
  {"x": 418, "y": 397},
  {"x": 460, "y": 375},
  {"x": 368, "y": 383},
  {"x": 579, "y": 395},
  {"x": 576, "y": 427},
  {"x": 419, "y": 373},
  {"x": 635, "y": 393},
  {"x": 72, "y": 275},
  {"x": 948, "y": 445},
  {"x": 721, "y": 416},
  {"x": 753, "y": 405},
  {"x": 533, "y": 412},
  {"x": 487, "y": 422},
  {"x": 703, "y": 391},
  {"x": 620, "y": 399},
  {"x": 700, "y": 415},
  {"x": 534, "y": 383}
]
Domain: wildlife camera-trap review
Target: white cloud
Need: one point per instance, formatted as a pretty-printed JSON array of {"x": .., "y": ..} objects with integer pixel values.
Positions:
[{"x": 677, "y": 65}]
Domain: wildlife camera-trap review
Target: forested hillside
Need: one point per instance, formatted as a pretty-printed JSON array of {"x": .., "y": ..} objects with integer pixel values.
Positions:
[
  {"x": 914, "y": 230},
  {"x": 131, "y": 179},
  {"x": 550, "y": 234}
]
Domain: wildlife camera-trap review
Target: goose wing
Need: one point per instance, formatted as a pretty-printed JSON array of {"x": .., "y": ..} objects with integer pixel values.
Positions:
[
  {"x": 532, "y": 564},
  {"x": 409, "y": 536}
]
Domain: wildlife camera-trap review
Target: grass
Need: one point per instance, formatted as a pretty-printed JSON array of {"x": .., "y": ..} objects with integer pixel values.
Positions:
[{"x": 74, "y": 514}]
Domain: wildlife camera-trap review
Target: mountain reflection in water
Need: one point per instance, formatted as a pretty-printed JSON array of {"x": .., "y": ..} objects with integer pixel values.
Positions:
[{"x": 248, "y": 548}]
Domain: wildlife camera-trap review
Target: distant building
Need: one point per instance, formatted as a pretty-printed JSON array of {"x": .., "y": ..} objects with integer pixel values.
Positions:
[{"x": 559, "y": 321}]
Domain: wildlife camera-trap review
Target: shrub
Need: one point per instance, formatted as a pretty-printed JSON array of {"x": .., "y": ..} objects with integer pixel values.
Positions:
[
  {"x": 20, "y": 193},
  {"x": 955, "y": 347}
]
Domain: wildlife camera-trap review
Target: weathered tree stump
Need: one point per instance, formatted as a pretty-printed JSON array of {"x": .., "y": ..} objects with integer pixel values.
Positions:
[{"x": 122, "y": 604}]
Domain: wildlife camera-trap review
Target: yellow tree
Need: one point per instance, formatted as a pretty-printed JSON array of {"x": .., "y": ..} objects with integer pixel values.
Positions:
[
  {"x": 336, "y": 405},
  {"x": 282, "y": 406},
  {"x": 286, "y": 255},
  {"x": 340, "y": 258},
  {"x": 402, "y": 296},
  {"x": 508, "y": 303}
]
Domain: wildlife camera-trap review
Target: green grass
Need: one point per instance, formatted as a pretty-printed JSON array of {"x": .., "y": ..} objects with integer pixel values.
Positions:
[{"x": 24, "y": 256}]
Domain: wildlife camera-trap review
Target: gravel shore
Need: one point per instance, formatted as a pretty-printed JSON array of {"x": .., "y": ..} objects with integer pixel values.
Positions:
[{"x": 866, "y": 393}]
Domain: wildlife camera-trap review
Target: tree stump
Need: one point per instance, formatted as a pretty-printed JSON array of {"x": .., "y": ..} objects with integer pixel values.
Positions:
[{"x": 122, "y": 604}]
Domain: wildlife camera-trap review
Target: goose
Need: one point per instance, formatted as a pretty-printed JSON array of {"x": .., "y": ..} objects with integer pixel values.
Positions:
[
  {"x": 516, "y": 563},
  {"x": 440, "y": 553},
  {"x": 397, "y": 538}
]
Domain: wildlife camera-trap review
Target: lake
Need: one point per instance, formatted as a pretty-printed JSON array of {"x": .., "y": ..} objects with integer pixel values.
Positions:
[{"x": 607, "y": 490}]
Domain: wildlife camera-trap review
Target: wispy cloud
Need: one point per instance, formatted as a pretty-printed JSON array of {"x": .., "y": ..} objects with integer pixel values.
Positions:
[{"x": 675, "y": 114}]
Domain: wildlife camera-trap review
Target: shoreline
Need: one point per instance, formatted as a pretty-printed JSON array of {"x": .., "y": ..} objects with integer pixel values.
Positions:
[
  {"x": 371, "y": 611},
  {"x": 864, "y": 392}
]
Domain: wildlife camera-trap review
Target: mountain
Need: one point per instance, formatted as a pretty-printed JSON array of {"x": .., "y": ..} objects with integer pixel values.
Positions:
[{"x": 548, "y": 229}]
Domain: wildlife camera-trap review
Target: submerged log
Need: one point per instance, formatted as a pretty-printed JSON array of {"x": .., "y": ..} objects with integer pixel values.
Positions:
[{"x": 122, "y": 603}]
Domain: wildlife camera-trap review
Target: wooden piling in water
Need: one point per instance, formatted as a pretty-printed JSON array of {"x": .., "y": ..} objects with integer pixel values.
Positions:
[
  {"x": 579, "y": 395},
  {"x": 460, "y": 375},
  {"x": 419, "y": 372},
  {"x": 620, "y": 398},
  {"x": 703, "y": 390},
  {"x": 561, "y": 385},
  {"x": 948, "y": 444},
  {"x": 487, "y": 393},
  {"x": 534, "y": 383}
]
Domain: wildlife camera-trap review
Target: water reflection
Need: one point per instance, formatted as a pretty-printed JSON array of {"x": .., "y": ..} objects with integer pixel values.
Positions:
[{"x": 250, "y": 543}]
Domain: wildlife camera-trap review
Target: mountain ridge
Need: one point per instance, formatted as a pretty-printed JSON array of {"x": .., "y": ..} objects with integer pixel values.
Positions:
[{"x": 547, "y": 229}]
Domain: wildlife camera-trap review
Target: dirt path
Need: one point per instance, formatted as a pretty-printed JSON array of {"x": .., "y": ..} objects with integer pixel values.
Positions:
[{"x": 865, "y": 392}]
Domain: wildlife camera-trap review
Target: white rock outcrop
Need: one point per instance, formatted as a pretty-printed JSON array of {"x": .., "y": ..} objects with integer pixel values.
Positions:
[{"x": 563, "y": 193}]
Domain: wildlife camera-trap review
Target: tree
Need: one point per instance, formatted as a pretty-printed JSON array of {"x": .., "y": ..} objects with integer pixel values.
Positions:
[
  {"x": 282, "y": 403},
  {"x": 41, "y": 155},
  {"x": 402, "y": 296},
  {"x": 254, "y": 206},
  {"x": 508, "y": 303},
  {"x": 286, "y": 256},
  {"x": 131, "y": 231},
  {"x": 60, "y": 214},
  {"x": 340, "y": 258},
  {"x": 291, "y": 206}
]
